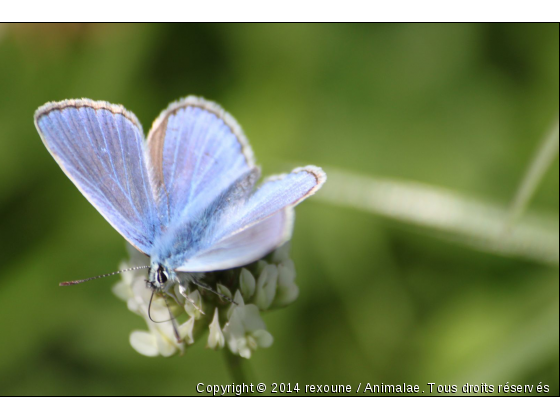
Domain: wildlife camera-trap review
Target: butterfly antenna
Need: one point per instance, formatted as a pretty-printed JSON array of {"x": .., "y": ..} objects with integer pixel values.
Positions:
[{"x": 70, "y": 283}]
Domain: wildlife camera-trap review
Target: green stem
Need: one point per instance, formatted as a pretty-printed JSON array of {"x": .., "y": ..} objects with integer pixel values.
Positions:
[
  {"x": 237, "y": 367},
  {"x": 545, "y": 155}
]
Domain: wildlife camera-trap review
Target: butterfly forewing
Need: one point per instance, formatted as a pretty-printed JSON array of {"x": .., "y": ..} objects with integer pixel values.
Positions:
[
  {"x": 197, "y": 151},
  {"x": 101, "y": 148}
]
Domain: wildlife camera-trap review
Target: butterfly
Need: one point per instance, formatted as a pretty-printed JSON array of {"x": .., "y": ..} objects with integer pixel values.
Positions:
[{"x": 186, "y": 196}]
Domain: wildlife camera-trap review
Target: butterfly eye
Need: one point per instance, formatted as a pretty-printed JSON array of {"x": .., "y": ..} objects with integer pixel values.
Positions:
[{"x": 162, "y": 276}]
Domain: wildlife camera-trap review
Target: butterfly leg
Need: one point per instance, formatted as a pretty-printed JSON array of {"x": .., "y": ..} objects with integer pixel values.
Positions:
[
  {"x": 183, "y": 291},
  {"x": 206, "y": 287},
  {"x": 173, "y": 322}
]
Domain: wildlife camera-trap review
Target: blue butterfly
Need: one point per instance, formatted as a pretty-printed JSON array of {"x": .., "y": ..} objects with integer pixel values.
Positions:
[{"x": 185, "y": 197}]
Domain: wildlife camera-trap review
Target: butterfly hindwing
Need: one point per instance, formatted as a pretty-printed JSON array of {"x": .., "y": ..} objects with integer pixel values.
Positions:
[
  {"x": 245, "y": 246},
  {"x": 274, "y": 194},
  {"x": 261, "y": 224},
  {"x": 101, "y": 148}
]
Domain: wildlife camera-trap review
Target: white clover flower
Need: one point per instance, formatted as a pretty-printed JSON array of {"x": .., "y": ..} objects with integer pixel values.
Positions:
[
  {"x": 259, "y": 267},
  {"x": 266, "y": 286},
  {"x": 287, "y": 290},
  {"x": 224, "y": 290},
  {"x": 281, "y": 254},
  {"x": 246, "y": 331},
  {"x": 247, "y": 283},
  {"x": 263, "y": 285},
  {"x": 216, "y": 336},
  {"x": 238, "y": 299},
  {"x": 160, "y": 339},
  {"x": 145, "y": 343},
  {"x": 154, "y": 343},
  {"x": 186, "y": 331}
]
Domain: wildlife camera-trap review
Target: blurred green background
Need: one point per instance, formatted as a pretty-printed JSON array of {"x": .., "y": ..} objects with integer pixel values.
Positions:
[{"x": 459, "y": 106}]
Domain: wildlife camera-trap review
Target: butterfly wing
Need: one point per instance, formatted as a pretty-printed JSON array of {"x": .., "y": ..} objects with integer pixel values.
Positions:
[
  {"x": 187, "y": 237},
  {"x": 246, "y": 246},
  {"x": 259, "y": 226},
  {"x": 197, "y": 151},
  {"x": 100, "y": 147},
  {"x": 274, "y": 194}
]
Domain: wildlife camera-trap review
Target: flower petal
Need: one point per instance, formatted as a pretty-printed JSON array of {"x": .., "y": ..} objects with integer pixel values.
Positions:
[
  {"x": 263, "y": 338},
  {"x": 281, "y": 254},
  {"x": 247, "y": 283},
  {"x": 224, "y": 290},
  {"x": 122, "y": 290},
  {"x": 252, "y": 320},
  {"x": 144, "y": 343},
  {"x": 186, "y": 331},
  {"x": 216, "y": 336},
  {"x": 266, "y": 286}
]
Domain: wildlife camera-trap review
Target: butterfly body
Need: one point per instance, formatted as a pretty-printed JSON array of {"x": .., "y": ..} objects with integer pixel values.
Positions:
[{"x": 185, "y": 197}]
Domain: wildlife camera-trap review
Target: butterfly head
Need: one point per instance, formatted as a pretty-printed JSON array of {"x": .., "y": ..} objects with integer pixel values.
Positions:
[{"x": 160, "y": 277}]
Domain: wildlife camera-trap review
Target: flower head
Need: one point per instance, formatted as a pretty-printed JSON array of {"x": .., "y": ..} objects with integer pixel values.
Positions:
[{"x": 177, "y": 320}]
